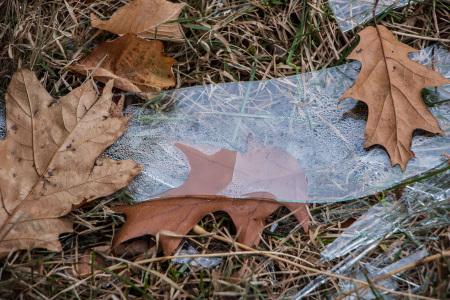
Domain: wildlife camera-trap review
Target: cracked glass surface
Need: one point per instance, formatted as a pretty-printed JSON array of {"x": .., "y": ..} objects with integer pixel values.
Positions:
[{"x": 351, "y": 13}]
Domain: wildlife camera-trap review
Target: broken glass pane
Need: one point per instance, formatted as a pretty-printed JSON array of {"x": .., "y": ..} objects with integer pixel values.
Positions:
[
  {"x": 430, "y": 197},
  {"x": 351, "y": 13},
  {"x": 286, "y": 138}
]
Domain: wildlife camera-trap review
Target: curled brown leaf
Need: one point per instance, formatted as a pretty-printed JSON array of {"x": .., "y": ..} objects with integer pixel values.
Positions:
[{"x": 136, "y": 65}]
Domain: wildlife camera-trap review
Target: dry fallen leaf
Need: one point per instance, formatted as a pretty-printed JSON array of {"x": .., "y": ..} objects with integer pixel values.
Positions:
[
  {"x": 391, "y": 85},
  {"x": 136, "y": 65},
  {"x": 266, "y": 173},
  {"x": 133, "y": 248},
  {"x": 171, "y": 218},
  {"x": 146, "y": 18},
  {"x": 50, "y": 160}
]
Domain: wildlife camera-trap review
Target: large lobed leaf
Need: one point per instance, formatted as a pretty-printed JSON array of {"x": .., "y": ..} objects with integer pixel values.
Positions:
[
  {"x": 171, "y": 218},
  {"x": 391, "y": 85},
  {"x": 272, "y": 173},
  {"x": 50, "y": 159}
]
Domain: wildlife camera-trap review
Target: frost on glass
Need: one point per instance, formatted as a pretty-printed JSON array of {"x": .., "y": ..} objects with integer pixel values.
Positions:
[
  {"x": 284, "y": 138},
  {"x": 351, "y": 13}
]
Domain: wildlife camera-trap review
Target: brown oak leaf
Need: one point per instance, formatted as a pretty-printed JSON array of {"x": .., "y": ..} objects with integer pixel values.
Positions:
[
  {"x": 50, "y": 160},
  {"x": 265, "y": 173},
  {"x": 146, "y": 18},
  {"x": 177, "y": 216},
  {"x": 391, "y": 85},
  {"x": 136, "y": 65}
]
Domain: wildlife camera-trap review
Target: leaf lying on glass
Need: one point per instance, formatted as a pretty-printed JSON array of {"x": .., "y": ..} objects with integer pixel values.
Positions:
[
  {"x": 262, "y": 171},
  {"x": 146, "y": 18},
  {"x": 50, "y": 160},
  {"x": 136, "y": 65},
  {"x": 296, "y": 117},
  {"x": 171, "y": 218},
  {"x": 391, "y": 85}
]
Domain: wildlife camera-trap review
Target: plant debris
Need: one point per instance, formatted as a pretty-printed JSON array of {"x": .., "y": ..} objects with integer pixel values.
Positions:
[
  {"x": 136, "y": 65},
  {"x": 147, "y": 18},
  {"x": 50, "y": 160},
  {"x": 229, "y": 41},
  {"x": 391, "y": 85}
]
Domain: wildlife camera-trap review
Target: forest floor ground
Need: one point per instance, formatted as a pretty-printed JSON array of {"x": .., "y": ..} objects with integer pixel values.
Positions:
[{"x": 225, "y": 41}]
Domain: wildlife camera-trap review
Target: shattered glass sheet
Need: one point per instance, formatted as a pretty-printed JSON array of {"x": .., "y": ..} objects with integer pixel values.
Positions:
[
  {"x": 429, "y": 199},
  {"x": 351, "y": 13},
  {"x": 369, "y": 270},
  {"x": 430, "y": 196},
  {"x": 205, "y": 262},
  {"x": 287, "y": 137}
]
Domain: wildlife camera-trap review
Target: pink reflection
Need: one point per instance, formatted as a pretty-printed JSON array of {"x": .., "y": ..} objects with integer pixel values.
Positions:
[{"x": 266, "y": 172}]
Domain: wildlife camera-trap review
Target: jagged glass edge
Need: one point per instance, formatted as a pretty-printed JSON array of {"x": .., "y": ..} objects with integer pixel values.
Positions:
[{"x": 351, "y": 13}]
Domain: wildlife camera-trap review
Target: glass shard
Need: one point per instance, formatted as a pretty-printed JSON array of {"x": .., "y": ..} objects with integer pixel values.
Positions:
[
  {"x": 204, "y": 262},
  {"x": 286, "y": 139},
  {"x": 351, "y": 13}
]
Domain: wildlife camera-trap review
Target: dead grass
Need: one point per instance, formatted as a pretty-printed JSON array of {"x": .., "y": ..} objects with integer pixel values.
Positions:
[{"x": 225, "y": 41}]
